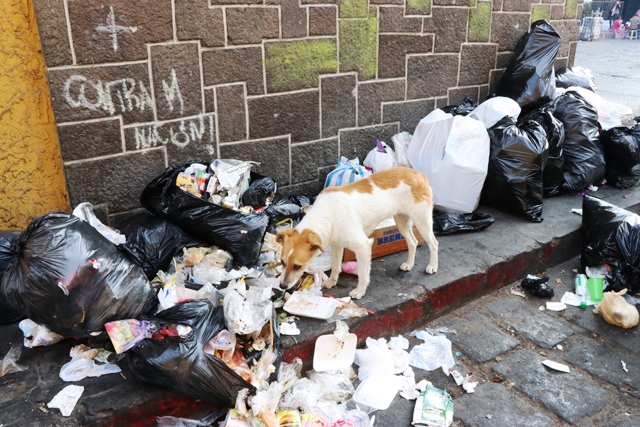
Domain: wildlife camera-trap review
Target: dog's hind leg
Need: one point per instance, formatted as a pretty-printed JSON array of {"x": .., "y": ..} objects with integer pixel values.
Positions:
[
  {"x": 405, "y": 225},
  {"x": 424, "y": 222},
  {"x": 363, "y": 256},
  {"x": 336, "y": 263}
]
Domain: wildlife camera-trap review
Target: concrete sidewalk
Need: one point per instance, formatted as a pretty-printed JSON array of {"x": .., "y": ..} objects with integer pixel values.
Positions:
[{"x": 471, "y": 266}]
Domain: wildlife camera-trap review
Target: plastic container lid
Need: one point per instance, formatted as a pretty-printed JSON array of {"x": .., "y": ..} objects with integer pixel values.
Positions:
[
  {"x": 377, "y": 391},
  {"x": 310, "y": 306},
  {"x": 331, "y": 353}
]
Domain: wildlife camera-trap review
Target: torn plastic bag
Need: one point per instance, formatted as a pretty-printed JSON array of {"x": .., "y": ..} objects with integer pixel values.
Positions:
[
  {"x": 608, "y": 116},
  {"x": 241, "y": 234},
  {"x": 8, "y": 313},
  {"x": 467, "y": 106},
  {"x": 152, "y": 242},
  {"x": 575, "y": 76},
  {"x": 68, "y": 277},
  {"x": 622, "y": 155},
  {"x": 260, "y": 192},
  {"x": 611, "y": 235},
  {"x": 494, "y": 109},
  {"x": 450, "y": 223},
  {"x": 553, "y": 175},
  {"x": 518, "y": 157},
  {"x": 283, "y": 208},
  {"x": 529, "y": 78},
  {"x": 584, "y": 163},
  {"x": 180, "y": 363},
  {"x": 453, "y": 152}
]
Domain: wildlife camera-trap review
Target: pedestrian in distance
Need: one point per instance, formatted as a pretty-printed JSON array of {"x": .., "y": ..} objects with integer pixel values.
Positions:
[{"x": 615, "y": 13}]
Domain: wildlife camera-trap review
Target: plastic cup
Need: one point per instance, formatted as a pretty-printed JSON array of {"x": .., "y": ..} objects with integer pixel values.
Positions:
[{"x": 595, "y": 285}]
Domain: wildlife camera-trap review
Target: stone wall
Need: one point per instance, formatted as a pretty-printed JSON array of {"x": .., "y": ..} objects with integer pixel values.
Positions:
[{"x": 137, "y": 85}]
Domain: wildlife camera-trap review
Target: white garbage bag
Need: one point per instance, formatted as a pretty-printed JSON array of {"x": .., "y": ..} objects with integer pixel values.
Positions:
[
  {"x": 494, "y": 109},
  {"x": 453, "y": 152},
  {"x": 608, "y": 116}
]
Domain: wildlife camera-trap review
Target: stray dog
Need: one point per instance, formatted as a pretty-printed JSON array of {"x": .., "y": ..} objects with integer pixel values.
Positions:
[{"x": 345, "y": 217}]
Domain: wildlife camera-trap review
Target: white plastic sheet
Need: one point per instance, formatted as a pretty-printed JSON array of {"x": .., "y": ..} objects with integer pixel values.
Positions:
[
  {"x": 434, "y": 353},
  {"x": 453, "y": 152},
  {"x": 66, "y": 399}
]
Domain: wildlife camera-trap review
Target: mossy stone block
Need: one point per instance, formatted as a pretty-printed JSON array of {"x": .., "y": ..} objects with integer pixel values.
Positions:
[
  {"x": 353, "y": 8},
  {"x": 480, "y": 22},
  {"x": 358, "y": 46},
  {"x": 542, "y": 11},
  {"x": 418, "y": 6},
  {"x": 571, "y": 6},
  {"x": 292, "y": 65}
]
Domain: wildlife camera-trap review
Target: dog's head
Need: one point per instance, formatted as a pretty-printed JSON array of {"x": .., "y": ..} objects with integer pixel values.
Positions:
[{"x": 298, "y": 249}]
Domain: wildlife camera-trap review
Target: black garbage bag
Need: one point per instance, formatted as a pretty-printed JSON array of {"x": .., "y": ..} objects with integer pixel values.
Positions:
[
  {"x": 259, "y": 192},
  {"x": 575, "y": 76},
  {"x": 622, "y": 155},
  {"x": 180, "y": 363},
  {"x": 611, "y": 235},
  {"x": 529, "y": 78},
  {"x": 8, "y": 314},
  {"x": 516, "y": 163},
  {"x": 241, "y": 234},
  {"x": 66, "y": 276},
  {"x": 553, "y": 174},
  {"x": 152, "y": 242},
  {"x": 467, "y": 106},
  {"x": 584, "y": 163},
  {"x": 445, "y": 223}
]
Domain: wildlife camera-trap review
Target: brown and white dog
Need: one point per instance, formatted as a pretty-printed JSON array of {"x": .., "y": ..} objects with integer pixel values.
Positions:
[{"x": 345, "y": 217}]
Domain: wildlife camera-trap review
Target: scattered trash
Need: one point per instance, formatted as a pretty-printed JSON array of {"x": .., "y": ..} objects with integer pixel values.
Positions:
[
  {"x": 537, "y": 286},
  {"x": 489, "y": 416},
  {"x": 518, "y": 293},
  {"x": 616, "y": 311},
  {"x": 543, "y": 353},
  {"x": 80, "y": 368},
  {"x": 213, "y": 220},
  {"x": 458, "y": 354},
  {"x": 541, "y": 308},
  {"x": 624, "y": 366},
  {"x": 9, "y": 364},
  {"x": 595, "y": 286},
  {"x": 582, "y": 289},
  {"x": 497, "y": 379},
  {"x": 434, "y": 408},
  {"x": 555, "y": 365},
  {"x": 66, "y": 399},
  {"x": 350, "y": 267},
  {"x": 336, "y": 351},
  {"x": 559, "y": 347},
  {"x": 464, "y": 381},
  {"x": 289, "y": 328},
  {"x": 316, "y": 307},
  {"x": 434, "y": 353},
  {"x": 555, "y": 306},
  {"x": 610, "y": 235},
  {"x": 37, "y": 335},
  {"x": 569, "y": 298},
  {"x": 377, "y": 390},
  {"x": 153, "y": 360}
]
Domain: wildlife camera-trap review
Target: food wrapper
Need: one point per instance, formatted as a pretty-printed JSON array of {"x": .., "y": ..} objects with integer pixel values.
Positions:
[
  {"x": 125, "y": 334},
  {"x": 434, "y": 408}
]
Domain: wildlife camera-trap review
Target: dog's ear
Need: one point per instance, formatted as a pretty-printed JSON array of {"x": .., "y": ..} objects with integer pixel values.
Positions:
[
  {"x": 314, "y": 241},
  {"x": 284, "y": 234}
]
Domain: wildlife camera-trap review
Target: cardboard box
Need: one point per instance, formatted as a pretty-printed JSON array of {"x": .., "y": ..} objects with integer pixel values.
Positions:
[{"x": 387, "y": 240}]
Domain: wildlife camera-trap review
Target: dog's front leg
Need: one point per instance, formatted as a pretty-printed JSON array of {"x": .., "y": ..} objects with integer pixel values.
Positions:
[
  {"x": 363, "y": 256},
  {"x": 336, "y": 263}
]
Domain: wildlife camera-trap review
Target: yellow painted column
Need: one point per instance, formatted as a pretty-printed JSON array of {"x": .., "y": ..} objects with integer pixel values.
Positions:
[{"x": 32, "y": 181}]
